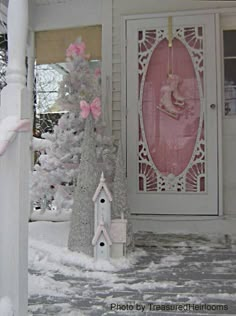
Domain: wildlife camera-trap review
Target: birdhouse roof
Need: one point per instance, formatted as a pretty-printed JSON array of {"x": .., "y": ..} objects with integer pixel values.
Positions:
[
  {"x": 101, "y": 229},
  {"x": 102, "y": 185}
]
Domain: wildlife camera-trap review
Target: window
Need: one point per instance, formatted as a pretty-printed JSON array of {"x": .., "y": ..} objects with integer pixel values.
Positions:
[
  {"x": 3, "y": 59},
  {"x": 50, "y": 48},
  {"x": 47, "y": 82},
  {"x": 230, "y": 72}
]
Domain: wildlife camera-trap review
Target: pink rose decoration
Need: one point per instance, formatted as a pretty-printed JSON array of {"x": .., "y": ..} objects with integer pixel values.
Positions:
[{"x": 76, "y": 49}]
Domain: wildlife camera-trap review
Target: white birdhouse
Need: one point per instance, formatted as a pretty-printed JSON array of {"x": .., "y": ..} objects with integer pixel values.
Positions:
[
  {"x": 110, "y": 235},
  {"x": 102, "y": 243},
  {"x": 102, "y": 202}
]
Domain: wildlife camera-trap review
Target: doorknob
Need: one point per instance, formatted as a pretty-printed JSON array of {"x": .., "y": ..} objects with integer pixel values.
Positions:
[{"x": 212, "y": 106}]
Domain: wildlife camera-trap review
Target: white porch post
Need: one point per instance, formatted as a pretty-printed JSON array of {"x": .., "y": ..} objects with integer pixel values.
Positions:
[
  {"x": 30, "y": 87},
  {"x": 15, "y": 167}
]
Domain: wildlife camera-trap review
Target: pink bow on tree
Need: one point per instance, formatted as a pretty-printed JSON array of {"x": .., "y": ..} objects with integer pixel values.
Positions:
[{"x": 94, "y": 108}]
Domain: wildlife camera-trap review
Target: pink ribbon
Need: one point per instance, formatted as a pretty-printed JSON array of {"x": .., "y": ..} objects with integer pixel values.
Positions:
[
  {"x": 9, "y": 126},
  {"x": 94, "y": 108}
]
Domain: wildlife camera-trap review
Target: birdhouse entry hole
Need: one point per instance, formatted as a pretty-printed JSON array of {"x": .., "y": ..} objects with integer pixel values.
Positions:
[
  {"x": 102, "y": 244},
  {"x": 102, "y": 200}
]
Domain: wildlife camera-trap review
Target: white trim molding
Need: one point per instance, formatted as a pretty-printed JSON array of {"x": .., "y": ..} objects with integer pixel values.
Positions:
[
  {"x": 107, "y": 63},
  {"x": 185, "y": 225}
]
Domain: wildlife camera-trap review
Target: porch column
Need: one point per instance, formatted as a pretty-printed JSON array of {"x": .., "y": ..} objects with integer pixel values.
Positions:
[
  {"x": 15, "y": 165},
  {"x": 30, "y": 87}
]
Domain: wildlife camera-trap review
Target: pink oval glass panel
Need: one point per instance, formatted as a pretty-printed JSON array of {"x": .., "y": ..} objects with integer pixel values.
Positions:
[{"x": 171, "y": 107}]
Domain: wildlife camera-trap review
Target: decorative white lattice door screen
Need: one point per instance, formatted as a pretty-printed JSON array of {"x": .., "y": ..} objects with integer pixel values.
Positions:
[{"x": 172, "y": 118}]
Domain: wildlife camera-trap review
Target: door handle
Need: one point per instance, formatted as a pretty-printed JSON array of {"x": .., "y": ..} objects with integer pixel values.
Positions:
[{"x": 212, "y": 106}]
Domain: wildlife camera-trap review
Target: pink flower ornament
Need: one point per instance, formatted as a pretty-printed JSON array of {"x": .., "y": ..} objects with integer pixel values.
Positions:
[
  {"x": 76, "y": 49},
  {"x": 94, "y": 108}
]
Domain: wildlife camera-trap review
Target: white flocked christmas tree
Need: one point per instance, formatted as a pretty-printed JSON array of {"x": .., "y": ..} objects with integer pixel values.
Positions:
[{"x": 56, "y": 170}]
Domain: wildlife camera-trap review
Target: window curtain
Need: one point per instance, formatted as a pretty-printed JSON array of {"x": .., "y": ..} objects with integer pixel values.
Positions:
[{"x": 50, "y": 46}]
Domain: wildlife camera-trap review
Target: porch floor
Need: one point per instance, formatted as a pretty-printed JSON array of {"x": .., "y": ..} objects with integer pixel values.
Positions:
[{"x": 179, "y": 270}]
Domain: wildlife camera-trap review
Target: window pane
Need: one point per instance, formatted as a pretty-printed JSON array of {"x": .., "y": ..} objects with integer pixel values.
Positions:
[
  {"x": 230, "y": 71},
  {"x": 230, "y": 86},
  {"x": 3, "y": 60},
  {"x": 230, "y": 99},
  {"x": 230, "y": 43},
  {"x": 47, "y": 83}
]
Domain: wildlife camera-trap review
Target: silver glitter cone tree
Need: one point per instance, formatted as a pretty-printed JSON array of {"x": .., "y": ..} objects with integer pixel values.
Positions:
[
  {"x": 82, "y": 220},
  {"x": 120, "y": 199}
]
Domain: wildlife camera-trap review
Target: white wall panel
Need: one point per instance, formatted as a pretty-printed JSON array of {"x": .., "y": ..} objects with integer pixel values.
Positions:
[{"x": 70, "y": 14}]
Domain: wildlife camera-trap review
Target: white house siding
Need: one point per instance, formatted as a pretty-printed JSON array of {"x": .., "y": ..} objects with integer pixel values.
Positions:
[
  {"x": 131, "y": 7},
  {"x": 70, "y": 13}
]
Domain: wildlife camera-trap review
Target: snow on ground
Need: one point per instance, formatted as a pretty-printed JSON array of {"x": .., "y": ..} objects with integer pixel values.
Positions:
[
  {"x": 66, "y": 283},
  {"x": 6, "y": 306},
  {"x": 49, "y": 256},
  {"x": 65, "y": 310},
  {"x": 48, "y": 250},
  {"x": 48, "y": 232},
  {"x": 168, "y": 261},
  {"x": 51, "y": 215}
]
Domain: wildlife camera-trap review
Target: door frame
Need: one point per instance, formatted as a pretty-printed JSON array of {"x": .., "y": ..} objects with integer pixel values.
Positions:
[{"x": 219, "y": 83}]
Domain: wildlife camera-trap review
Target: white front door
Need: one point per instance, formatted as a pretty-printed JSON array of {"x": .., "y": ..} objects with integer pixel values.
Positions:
[{"x": 172, "y": 115}]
